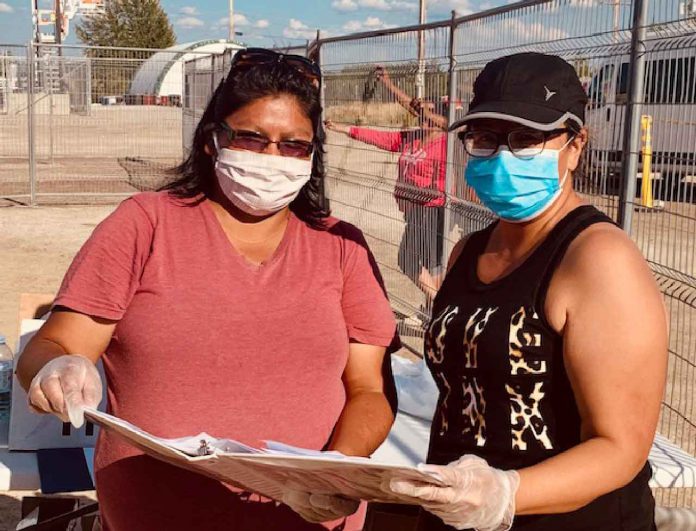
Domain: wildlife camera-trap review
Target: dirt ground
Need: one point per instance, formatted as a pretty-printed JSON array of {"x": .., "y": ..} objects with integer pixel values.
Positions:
[{"x": 38, "y": 245}]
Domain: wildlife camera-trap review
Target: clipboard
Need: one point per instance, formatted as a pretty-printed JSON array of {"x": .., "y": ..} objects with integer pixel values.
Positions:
[{"x": 269, "y": 471}]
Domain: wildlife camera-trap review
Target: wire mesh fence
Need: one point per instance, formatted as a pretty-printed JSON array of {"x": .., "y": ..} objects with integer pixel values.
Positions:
[
  {"x": 380, "y": 146},
  {"x": 87, "y": 124},
  {"x": 385, "y": 161},
  {"x": 201, "y": 77},
  {"x": 15, "y": 167}
]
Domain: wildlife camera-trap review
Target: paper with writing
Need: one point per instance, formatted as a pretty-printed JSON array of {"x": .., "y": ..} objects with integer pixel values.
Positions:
[{"x": 268, "y": 471}]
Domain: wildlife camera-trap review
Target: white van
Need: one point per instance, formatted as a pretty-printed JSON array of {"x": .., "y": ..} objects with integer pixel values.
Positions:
[{"x": 669, "y": 98}]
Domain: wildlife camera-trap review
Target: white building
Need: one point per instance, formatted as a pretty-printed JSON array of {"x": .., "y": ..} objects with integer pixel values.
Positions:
[{"x": 163, "y": 73}]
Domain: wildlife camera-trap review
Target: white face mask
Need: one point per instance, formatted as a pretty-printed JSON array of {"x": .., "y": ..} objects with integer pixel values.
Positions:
[{"x": 260, "y": 184}]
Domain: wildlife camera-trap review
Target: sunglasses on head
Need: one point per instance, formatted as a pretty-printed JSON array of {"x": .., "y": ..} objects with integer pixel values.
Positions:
[
  {"x": 261, "y": 56},
  {"x": 229, "y": 138}
]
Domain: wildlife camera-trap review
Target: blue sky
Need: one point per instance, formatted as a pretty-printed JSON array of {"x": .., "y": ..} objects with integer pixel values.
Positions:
[{"x": 267, "y": 22}]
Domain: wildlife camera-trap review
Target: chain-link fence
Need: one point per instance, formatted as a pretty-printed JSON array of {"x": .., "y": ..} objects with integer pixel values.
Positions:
[
  {"x": 84, "y": 124},
  {"x": 395, "y": 173}
]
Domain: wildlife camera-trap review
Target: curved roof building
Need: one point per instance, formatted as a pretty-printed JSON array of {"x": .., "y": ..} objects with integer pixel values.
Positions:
[{"x": 163, "y": 73}]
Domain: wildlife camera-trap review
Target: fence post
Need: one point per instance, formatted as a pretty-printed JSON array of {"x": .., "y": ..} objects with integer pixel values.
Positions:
[
  {"x": 449, "y": 161},
  {"x": 88, "y": 85},
  {"x": 323, "y": 200},
  {"x": 30, "y": 123},
  {"x": 632, "y": 128}
]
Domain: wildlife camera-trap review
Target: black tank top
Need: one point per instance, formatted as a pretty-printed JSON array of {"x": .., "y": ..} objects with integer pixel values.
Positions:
[{"x": 504, "y": 391}]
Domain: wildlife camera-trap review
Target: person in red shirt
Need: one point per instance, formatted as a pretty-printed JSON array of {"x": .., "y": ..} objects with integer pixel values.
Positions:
[
  {"x": 419, "y": 190},
  {"x": 231, "y": 303}
]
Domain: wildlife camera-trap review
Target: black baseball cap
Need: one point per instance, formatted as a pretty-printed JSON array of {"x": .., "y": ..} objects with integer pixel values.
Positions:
[{"x": 533, "y": 89}]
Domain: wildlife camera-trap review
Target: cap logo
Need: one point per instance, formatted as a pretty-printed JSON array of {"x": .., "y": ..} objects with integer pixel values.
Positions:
[{"x": 549, "y": 93}]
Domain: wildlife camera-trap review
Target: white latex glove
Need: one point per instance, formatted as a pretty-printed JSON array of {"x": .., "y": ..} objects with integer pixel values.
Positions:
[
  {"x": 318, "y": 508},
  {"x": 64, "y": 386},
  {"x": 476, "y": 495}
]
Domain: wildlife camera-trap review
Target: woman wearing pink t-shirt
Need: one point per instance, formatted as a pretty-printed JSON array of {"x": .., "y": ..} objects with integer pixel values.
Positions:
[
  {"x": 419, "y": 190},
  {"x": 229, "y": 303}
]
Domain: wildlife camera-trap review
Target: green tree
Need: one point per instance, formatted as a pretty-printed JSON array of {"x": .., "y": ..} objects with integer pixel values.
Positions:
[
  {"x": 123, "y": 24},
  {"x": 128, "y": 23}
]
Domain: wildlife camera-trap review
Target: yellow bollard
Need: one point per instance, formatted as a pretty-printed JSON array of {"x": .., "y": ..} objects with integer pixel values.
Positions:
[{"x": 646, "y": 194}]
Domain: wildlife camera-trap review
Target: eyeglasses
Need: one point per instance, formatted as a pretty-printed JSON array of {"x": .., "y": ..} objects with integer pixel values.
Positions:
[
  {"x": 253, "y": 141},
  {"x": 523, "y": 143},
  {"x": 255, "y": 56}
]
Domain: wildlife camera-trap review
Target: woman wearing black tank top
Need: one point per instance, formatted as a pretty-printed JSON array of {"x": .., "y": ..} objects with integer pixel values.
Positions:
[{"x": 548, "y": 339}]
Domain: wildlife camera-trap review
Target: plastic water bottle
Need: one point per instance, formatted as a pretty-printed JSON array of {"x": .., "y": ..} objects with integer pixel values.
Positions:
[{"x": 6, "y": 371}]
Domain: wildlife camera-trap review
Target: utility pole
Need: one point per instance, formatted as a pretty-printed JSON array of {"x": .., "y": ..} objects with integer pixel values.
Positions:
[
  {"x": 35, "y": 21},
  {"x": 617, "y": 18},
  {"x": 420, "y": 75},
  {"x": 59, "y": 23},
  {"x": 231, "y": 24}
]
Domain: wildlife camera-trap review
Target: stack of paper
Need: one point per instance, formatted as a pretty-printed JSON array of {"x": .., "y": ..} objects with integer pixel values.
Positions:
[{"x": 272, "y": 470}]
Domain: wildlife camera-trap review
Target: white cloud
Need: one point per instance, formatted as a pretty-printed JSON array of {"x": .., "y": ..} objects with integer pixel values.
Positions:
[
  {"x": 382, "y": 5},
  {"x": 189, "y": 10},
  {"x": 190, "y": 22},
  {"x": 296, "y": 24},
  {"x": 6, "y": 8},
  {"x": 262, "y": 23},
  {"x": 296, "y": 29},
  {"x": 462, "y": 7},
  {"x": 344, "y": 5},
  {"x": 241, "y": 20},
  {"x": 353, "y": 26},
  {"x": 373, "y": 22},
  {"x": 370, "y": 23},
  {"x": 398, "y": 4}
]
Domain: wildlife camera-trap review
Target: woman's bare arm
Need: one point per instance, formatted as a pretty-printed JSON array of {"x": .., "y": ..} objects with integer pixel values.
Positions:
[
  {"x": 367, "y": 417},
  {"x": 615, "y": 336},
  {"x": 65, "y": 332}
]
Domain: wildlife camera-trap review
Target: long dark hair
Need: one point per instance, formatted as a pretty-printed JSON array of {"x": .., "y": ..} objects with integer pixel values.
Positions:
[{"x": 196, "y": 175}]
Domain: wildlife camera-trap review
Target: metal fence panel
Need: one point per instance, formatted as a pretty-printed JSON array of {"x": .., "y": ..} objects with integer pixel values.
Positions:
[
  {"x": 84, "y": 124},
  {"x": 107, "y": 121},
  {"x": 15, "y": 174},
  {"x": 365, "y": 175},
  {"x": 595, "y": 37},
  {"x": 201, "y": 77},
  {"x": 663, "y": 221}
]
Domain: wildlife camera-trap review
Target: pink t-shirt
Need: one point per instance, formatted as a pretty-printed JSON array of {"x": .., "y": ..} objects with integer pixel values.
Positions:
[
  {"x": 207, "y": 341},
  {"x": 421, "y": 164}
]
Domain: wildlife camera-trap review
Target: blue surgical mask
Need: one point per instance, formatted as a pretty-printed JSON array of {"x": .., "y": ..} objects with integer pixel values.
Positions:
[{"x": 516, "y": 188}]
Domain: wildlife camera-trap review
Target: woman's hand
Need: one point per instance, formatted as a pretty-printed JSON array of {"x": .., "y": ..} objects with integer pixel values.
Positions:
[
  {"x": 339, "y": 128},
  {"x": 318, "y": 508},
  {"x": 476, "y": 495},
  {"x": 64, "y": 386}
]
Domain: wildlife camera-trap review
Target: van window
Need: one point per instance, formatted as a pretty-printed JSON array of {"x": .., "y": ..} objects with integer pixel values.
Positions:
[
  {"x": 622, "y": 86},
  {"x": 600, "y": 86},
  {"x": 666, "y": 81}
]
